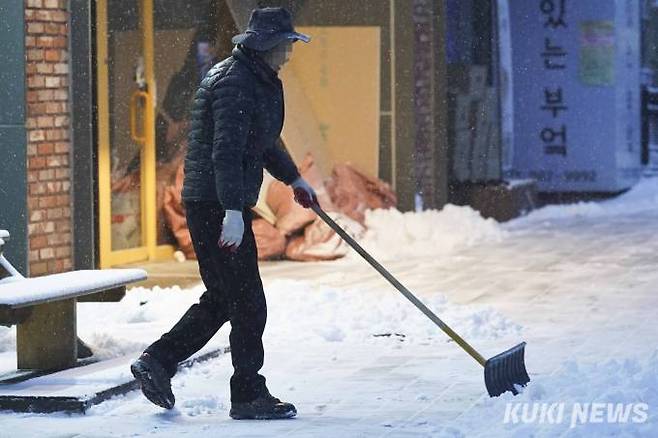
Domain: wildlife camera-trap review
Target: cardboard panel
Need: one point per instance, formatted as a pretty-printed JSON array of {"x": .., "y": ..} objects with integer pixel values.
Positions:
[
  {"x": 332, "y": 97},
  {"x": 301, "y": 130}
]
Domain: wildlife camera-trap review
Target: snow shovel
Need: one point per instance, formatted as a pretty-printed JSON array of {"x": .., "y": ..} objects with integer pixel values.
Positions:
[{"x": 501, "y": 372}]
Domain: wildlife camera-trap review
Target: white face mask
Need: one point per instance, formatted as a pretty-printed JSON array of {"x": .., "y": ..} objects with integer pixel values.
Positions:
[{"x": 277, "y": 56}]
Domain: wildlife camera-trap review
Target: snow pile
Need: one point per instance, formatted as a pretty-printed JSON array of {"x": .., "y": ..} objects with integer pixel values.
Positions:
[
  {"x": 149, "y": 305},
  {"x": 356, "y": 315},
  {"x": 642, "y": 197},
  {"x": 628, "y": 388},
  {"x": 106, "y": 346},
  {"x": 392, "y": 234},
  {"x": 339, "y": 315},
  {"x": 130, "y": 325}
]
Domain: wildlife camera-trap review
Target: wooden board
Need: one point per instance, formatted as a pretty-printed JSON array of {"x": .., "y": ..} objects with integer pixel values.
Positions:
[{"x": 332, "y": 88}]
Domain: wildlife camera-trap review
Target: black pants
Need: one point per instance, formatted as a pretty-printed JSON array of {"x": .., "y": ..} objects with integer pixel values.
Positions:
[{"x": 234, "y": 293}]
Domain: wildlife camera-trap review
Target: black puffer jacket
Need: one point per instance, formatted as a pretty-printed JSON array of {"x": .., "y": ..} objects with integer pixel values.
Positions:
[{"x": 235, "y": 123}]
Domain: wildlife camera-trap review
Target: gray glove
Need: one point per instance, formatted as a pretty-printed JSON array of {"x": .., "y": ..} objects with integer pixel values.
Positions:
[{"x": 232, "y": 230}]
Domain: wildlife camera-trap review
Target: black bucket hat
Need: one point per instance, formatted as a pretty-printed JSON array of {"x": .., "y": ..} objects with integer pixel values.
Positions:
[{"x": 267, "y": 28}]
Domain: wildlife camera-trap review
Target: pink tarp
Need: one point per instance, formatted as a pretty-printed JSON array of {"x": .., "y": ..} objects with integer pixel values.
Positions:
[{"x": 298, "y": 233}]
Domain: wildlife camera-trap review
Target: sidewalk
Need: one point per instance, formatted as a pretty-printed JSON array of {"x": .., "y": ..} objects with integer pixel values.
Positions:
[{"x": 577, "y": 283}]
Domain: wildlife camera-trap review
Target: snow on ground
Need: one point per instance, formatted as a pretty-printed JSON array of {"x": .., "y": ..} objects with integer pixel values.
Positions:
[
  {"x": 642, "y": 198},
  {"x": 611, "y": 382},
  {"x": 578, "y": 283}
]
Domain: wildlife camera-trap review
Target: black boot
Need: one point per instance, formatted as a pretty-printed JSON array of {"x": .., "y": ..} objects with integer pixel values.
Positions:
[
  {"x": 154, "y": 381},
  {"x": 265, "y": 407}
]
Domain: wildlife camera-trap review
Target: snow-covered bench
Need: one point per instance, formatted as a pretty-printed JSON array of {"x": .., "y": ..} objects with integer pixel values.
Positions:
[{"x": 44, "y": 309}]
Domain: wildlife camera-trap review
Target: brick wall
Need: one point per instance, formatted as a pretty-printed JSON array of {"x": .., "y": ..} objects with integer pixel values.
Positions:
[{"x": 49, "y": 172}]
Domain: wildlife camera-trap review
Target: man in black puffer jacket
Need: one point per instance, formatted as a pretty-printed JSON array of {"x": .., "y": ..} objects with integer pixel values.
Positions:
[{"x": 236, "y": 120}]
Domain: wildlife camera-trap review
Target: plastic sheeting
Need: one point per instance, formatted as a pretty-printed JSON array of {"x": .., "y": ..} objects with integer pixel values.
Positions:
[
  {"x": 320, "y": 242},
  {"x": 354, "y": 192},
  {"x": 174, "y": 214},
  {"x": 270, "y": 241},
  {"x": 295, "y": 232}
]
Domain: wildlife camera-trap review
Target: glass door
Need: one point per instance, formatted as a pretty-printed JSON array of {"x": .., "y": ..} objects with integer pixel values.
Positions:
[
  {"x": 125, "y": 131},
  {"x": 151, "y": 56},
  {"x": 189, "y": 37}
]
